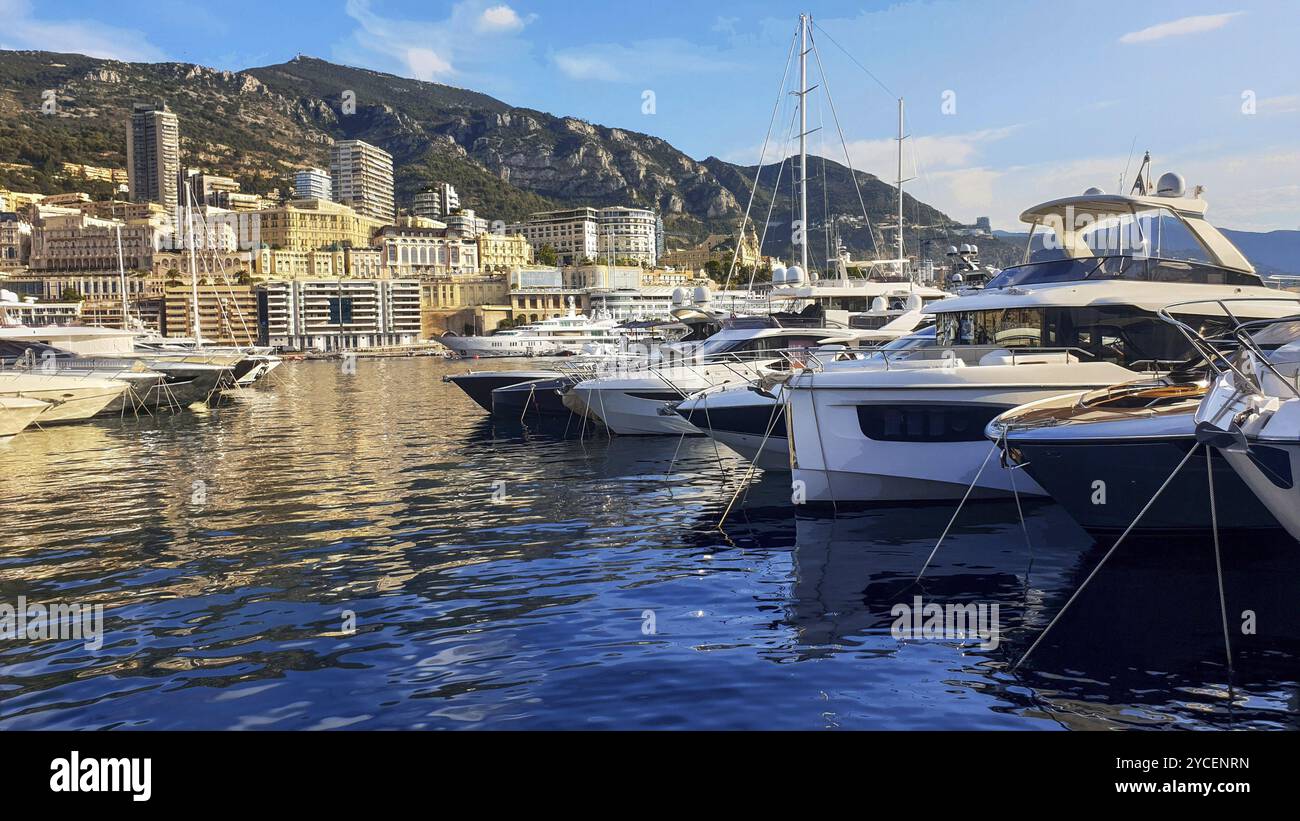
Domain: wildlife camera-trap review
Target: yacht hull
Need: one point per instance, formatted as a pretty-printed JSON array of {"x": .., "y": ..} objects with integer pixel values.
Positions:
[
  {"x": 643, "y": 410},
  {"x": 750, "y": 423},
  {"x": 478, "y": 385},
  {"x": 16, "y": 413},
  {"x": 1130, "y": 472},
  {"x": 535, "y": 398}
]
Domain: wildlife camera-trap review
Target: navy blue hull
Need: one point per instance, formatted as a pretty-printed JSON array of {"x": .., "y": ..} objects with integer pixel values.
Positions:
[
  {"x": 1132, "y": 471},
  {"x": 528, "y": 398},
  {"x": 479, "y": 385}
]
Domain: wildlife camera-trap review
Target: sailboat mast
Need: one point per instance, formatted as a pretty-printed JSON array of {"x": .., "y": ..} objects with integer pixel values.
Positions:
[
  {"x": 194, "y": 272},
  {"x": 803, "y": 142},
  {"x": 900, "y": 183},
  {"x": 121, "y": 275}
]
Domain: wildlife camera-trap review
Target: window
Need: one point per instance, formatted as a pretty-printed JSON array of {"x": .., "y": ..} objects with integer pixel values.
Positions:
[{"x": 926, "y": 423}]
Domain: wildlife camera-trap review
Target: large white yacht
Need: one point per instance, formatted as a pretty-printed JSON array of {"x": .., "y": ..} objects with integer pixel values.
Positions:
[
  {"x": 562, "y": 335},
  {"x": 1078, "y": 313},
  {"x": 639, "y": 401},
  {"x": 17, "y": 412}
]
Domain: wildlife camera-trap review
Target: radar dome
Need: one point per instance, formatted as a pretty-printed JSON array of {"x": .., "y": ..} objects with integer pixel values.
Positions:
[
  {"x": 952, "y": 249},
  {"x": 679, "y": 296},
  {"x": 794, "y": 274},
  {"x": 701, "y": 295},
  {"x": 956, "y": 279},
  {"x": 879, "y": 305},
  {"x": 778, "y": 275},
  {"x": 914, "y": 302},
  {"x": 1170, "y": 185},
  {"x": 1092, "y": 192}
]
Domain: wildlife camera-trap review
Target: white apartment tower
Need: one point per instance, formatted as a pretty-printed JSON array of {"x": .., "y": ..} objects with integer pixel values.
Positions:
[
  {"x": 153, "y": 155},
  {"x": 313, "y": 184},
  {"x": 437, "y": 202},
  {"x": 363, "y": 178}
]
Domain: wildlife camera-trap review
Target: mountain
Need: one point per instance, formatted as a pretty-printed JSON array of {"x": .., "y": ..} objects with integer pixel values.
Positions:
[
  {"x": 261, "y": 124},
  {"x": 1274, "y": 252}
]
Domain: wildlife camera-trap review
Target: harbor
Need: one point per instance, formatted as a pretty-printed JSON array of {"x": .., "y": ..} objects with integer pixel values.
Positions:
[
  {"x": 505, "y": 575},
  {"x": 348, "y": 396}
]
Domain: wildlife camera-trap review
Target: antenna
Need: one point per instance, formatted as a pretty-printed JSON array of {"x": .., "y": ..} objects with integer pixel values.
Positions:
[{"x": 803, "y": 141}]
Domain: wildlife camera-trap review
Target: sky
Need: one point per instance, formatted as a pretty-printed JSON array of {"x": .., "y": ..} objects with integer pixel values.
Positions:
[{"x": 1008, "y": 103}]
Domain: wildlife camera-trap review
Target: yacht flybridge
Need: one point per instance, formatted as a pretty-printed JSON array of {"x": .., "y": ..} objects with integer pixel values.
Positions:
[{"x": 1079, "y": 313}]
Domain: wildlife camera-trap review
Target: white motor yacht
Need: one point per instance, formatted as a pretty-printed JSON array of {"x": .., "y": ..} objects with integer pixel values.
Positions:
[
  {"x": 1079, "y": 313},
  {"x": 72, "y": 398},
  {"x": 639, "y": 401},
  {"x": 17, "y": 412},
  {"x": 561, "y": 335}
]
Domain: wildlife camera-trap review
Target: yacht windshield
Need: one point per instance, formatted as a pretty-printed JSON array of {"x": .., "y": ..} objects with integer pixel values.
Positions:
[
  {"x": 1130, "y": 268},
  {"x": 1126, "y": 336}
]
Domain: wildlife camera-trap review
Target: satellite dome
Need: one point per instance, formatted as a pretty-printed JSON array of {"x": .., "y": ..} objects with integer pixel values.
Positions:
[
  {"x": 1092, "y": 192},
  {"x": 679, "y": 296},
  {"x": 701, "y": 295},
  {"x": 974, "y": 249},
  {"x": 952, "y": 249},
  {"x": 1170, "y": 185},
  {"x": 966, "y": 248},
  {"x": 878, "y": 304},
  {"x": 794, "y": 274},
  {"x": 778, "y": 275},
  {"x": 815, "y": 276},
  {"x": 914, "y": 302},
  {"x": 956, "y": 279}
]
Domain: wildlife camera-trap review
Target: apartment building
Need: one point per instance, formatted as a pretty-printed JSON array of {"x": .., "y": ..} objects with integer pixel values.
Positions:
[
  {"x": 628, "y": 234},
  {"x": 153, "y": 154},
  {"x": 227, "y": 313},
  {"x": 15, "y": 240},
  {"x": 313, "y": 184},
  {"x": 339, "y": 314},
  {"x": 502, "y": 252},
  {"x": 436, "y": 202},
  {"x": 307, "y": 225},
  {"x": 79, "y": 242},
  {"x": 362, "y": 176},
  {"x": 574, "y": 233}
]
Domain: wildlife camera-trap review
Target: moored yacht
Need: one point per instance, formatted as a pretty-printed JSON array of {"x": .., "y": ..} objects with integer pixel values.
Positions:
[
  {"x": 561, "y": 335},
  {"x": 639, "y": 401},
  {"x": 1079, "y": 313},
  {"x": 72, "y": 398},
  {"x": 1251, "y": 414},
  {"x": 17, "y": 412}
]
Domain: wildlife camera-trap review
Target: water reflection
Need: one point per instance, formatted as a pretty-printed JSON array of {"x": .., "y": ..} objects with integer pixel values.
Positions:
[{"x": 545, "y": 575}]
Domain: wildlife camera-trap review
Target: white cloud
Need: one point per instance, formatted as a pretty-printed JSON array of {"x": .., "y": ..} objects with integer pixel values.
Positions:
[
  {"x": 1176, "y": 28},
  {"x": 640, "y": 61},
  {"x": 502, "y": 18},
  {"x": 90, "y": 37},
  {"x": 425, "y": 64},
  {"x": 474, "y": 38}
]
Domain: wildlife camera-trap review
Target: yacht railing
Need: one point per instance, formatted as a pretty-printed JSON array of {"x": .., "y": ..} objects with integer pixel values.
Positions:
[
  {"x": 1241, "y": 333},
  {"x": 969, "y": 355}
]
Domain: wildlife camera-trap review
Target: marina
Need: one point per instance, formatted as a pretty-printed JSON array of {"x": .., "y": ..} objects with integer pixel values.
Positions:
[
  {"x": 503, "y": 575},
  {"x": 354, "y": 398}
]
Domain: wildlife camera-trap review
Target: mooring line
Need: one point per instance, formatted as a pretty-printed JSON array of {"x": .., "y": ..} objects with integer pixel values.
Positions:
[
  {"x": 1113, "y": 548},
  {"x": 1218, "y": 569},
  {"x": 955, "y": 514},
  {"x": 744, "y": 483}
]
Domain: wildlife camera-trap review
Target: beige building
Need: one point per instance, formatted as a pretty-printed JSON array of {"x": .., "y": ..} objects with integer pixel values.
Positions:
[
  {"x": 720, "y": 248},
  {"x": 117, "y": 176},
  {"x": 15, "y": 241},
  {"x": 502, "y": 252},
  {"x": 308, "y": 225},
  {"x": 471, "y": 304},
  {"x": 426, "y": 252},
  {"x": 362, "y": 177},
  {"x": 79, "y": 242},
  {"x": 18, "y": 200},
  {"x": 227, "y": 313}
]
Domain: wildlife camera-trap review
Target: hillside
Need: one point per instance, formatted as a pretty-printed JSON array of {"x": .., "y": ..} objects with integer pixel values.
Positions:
[{"x": 260, "y": 124}]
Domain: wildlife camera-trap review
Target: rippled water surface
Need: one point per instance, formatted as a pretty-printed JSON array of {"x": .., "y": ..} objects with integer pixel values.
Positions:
[{"x": 507, "y": 575}]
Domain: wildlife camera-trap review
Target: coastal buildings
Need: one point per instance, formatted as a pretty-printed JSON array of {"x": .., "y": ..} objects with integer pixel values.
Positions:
[
  {"x": 15, "y": 240},
  {"x": 79, "y": 242},
  {"x": 410, "y": 251},
  {"x": 153, "y": 154},
  {"x": 208, "y": 189},
  {"x": 573, "y": 233},
  {"x": 436, "y": 202},
  {"x": 719, "y": 249},
  {"x": 466, "y": 223},
  {"x": 307, "y": 225},
  {"x": 340, "y": 314},
  {"x": 313, "y": 184},
  {"x": 362, "y": 176},
  {"x": 468, "y": 304},
  {"x": 503, "y": 252},
  {"x": 581, "y": 235},
  {"x": 227, "y": 313}
]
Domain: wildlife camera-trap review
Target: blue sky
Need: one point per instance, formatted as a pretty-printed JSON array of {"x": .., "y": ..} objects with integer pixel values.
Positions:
[{"x": 1045, "y": 98}]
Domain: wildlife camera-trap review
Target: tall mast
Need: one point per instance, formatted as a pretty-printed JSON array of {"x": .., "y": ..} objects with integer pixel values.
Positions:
[
  {"x": 121, "y": 274},
  {"x": 803, "y": 143},
  {"x": 900, "y": 183},
  {"x": 194, "y": 272}
]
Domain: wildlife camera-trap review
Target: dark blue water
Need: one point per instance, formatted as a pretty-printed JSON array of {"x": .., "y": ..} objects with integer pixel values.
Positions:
[{"x": 518, "y": 576}]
